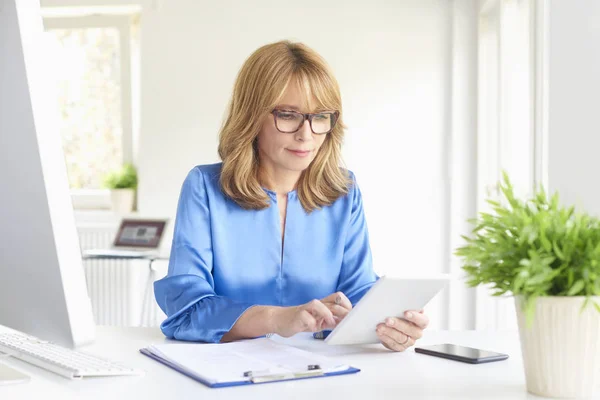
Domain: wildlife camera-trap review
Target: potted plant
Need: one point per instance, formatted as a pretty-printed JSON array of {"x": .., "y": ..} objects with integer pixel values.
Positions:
[
  {"x": 548, "y": 257},
  {"x": 122, "y": 184}
]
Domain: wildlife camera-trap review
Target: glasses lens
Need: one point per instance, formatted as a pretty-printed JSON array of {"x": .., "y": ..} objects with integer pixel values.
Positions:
[
  {"x": 288, "y": 121},
  {"x": 322, "y": 123}
]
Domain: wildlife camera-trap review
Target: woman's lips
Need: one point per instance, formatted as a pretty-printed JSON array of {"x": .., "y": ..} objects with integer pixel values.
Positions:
[{"x": 299, "y": 153}]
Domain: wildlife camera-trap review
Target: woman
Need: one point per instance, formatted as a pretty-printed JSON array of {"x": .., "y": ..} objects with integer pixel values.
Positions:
[{"x": 274, "y": 238}]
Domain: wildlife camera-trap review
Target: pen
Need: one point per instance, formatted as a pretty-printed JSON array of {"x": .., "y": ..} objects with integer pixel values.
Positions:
[{"x": 266, "y": 376}]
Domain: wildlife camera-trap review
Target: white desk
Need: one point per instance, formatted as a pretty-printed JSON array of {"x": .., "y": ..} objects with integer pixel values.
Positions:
[{"x": 384, "y": 375}]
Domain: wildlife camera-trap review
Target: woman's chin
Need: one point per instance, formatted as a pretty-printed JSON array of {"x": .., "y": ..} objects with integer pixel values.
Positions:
[{"x": 297, "y": 165}]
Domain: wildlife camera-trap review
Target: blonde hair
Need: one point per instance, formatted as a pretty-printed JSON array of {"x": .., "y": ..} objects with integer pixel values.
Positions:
[{"x": 260, "y": 85}]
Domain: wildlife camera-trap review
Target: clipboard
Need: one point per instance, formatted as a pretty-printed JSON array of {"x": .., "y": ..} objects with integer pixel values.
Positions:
[{"x": 247, "y": 351}]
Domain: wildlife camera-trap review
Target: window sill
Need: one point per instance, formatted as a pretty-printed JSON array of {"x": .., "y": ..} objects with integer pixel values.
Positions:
[
  {"x": 91, "y": 199},
  {"x": 92, "y": 208}
]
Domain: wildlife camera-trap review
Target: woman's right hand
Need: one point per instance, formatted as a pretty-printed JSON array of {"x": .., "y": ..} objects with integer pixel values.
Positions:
[{"x": 314, "y": 316}]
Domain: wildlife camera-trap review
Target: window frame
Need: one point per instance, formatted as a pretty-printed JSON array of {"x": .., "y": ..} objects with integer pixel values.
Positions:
[
  {"x": 494, "y": 313},
  {"x": 99, "y": 199}
]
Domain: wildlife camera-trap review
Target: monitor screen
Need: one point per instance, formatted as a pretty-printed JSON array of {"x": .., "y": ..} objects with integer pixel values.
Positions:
[{"x": 43, "y": 290}]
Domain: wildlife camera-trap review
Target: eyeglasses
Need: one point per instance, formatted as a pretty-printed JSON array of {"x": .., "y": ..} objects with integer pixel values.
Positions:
[{"x": 287, "y": 121}]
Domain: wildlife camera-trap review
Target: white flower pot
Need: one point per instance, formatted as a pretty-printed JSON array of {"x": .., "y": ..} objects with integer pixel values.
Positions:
[
  {"x": 561, "y": 348},
  {"x": 122, "y": 200}
]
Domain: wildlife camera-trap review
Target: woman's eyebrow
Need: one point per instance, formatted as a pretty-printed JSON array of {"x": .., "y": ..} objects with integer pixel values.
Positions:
[
  {"x": 295, "y": 108},
  {"x": 288, "y": 106}
]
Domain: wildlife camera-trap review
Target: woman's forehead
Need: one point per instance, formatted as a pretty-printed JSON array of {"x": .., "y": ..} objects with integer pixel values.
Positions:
[{"x": 295, "y": 98}]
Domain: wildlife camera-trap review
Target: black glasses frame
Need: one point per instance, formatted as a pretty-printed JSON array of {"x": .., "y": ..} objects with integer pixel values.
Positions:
[{"x": 306, "y": 116}]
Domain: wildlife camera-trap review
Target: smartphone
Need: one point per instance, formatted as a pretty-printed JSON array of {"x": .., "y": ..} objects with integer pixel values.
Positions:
[{"x": 461, "y": 353}]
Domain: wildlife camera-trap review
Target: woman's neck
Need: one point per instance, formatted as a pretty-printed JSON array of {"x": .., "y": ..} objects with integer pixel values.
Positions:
[{"x": 279, "y": 181}]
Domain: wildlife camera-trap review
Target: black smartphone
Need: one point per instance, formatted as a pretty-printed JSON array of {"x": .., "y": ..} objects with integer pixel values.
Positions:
[{"x": 461, "y": 353}]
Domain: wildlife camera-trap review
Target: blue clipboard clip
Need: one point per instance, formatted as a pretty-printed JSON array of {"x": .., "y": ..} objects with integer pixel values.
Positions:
[{"x": 321, "y": 335}]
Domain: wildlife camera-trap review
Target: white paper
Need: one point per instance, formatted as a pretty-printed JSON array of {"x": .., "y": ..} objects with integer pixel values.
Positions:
[{"x": 227, "y": 362}]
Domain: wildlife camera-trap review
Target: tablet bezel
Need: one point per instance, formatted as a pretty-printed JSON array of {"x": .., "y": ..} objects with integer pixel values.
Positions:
[{"x": 433, "y": 286}]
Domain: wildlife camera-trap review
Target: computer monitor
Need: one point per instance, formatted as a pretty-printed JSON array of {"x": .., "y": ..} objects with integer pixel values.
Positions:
[{"x": 42, "y": 282}]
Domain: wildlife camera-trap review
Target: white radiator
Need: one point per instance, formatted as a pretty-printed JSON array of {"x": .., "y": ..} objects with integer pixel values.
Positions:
[{"x": 118, "y": 289}]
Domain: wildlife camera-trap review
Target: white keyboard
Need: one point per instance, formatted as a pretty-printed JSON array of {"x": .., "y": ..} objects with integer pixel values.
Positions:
[{"x": 60, "y": 360}]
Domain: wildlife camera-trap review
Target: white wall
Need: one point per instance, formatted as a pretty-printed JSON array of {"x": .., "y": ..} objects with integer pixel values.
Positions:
[
  {"x": 392, "y": 61},
  {"x": 574, "y": 102},
  {"x": 407, "y": 72}
]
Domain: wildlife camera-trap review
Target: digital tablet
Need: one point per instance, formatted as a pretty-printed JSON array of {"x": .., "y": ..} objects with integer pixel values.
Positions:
[{"x": 388, "y": 297}]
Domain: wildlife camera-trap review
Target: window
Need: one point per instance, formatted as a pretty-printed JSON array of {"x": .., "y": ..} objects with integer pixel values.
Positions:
[
  {"x": 94, "y": 98},
  {"x": 506, "y": 116}
]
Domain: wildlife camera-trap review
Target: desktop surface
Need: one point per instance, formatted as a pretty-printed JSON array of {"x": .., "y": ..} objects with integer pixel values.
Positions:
[{"x": 384, "y": 375}]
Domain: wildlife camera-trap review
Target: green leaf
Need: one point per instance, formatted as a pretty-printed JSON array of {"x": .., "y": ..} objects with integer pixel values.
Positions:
[
  {"x": 529, "y": 310},
  {"x": 585, "y": 304},
  {"x": 558, "y": 251},
  {"x": 532, "y": 247},
  {"x": 493, "y": 203},
  {"x": 545, "y": 242},
  {"x": 571, "y": 278},
  {"x": 525, "y": 262},
  {"x": 537, "y": 279},
  {"x": 125, "y": 178},
  {"x": 597, "y": 306},
  {"x": 576, "y": 288}
]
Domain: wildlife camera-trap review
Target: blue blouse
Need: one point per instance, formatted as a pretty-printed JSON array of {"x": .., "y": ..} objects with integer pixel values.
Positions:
[{"x": 225, "y": 259}]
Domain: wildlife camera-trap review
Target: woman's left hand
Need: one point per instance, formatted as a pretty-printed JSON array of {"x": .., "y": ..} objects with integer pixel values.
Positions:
[{"x": 399, "y": 334}]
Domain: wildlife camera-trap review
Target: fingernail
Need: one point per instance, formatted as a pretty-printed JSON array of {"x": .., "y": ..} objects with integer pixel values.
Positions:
[
  {"x": 409, "y": 315},
  {"x": 338, "y": 300},
  {"x": 390, "y": 321}
]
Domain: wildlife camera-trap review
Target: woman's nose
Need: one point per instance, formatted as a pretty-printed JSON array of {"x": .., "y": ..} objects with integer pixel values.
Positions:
[{"x": 304, "y": 133}]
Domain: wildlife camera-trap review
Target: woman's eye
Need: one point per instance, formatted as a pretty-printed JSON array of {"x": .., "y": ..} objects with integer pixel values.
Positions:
[
  {"x": 287, "y": 116},
  {"x": 321, "y": 117}
]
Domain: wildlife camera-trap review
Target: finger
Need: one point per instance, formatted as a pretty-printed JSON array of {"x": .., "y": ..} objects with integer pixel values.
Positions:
[
  {"x": 406, "y": 327},
  {"x": 308, "y": 322},
  {"x": 320, "y": 310},
  {"x": 387, "y": 346},
  {"x": 322, "y": 324},
  {"x": 397, "y": 336},
  {"x": 390, "y": 343},
  {"x": 340, "y": 299},
  {"x": 418, "y": 318},
  {"x": 337, "y": 310}
]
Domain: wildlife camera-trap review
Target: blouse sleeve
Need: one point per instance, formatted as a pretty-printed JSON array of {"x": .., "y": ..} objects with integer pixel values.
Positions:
[
  {"x": 186, "y": 295},
  {"x": 357, "y": 274}
]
